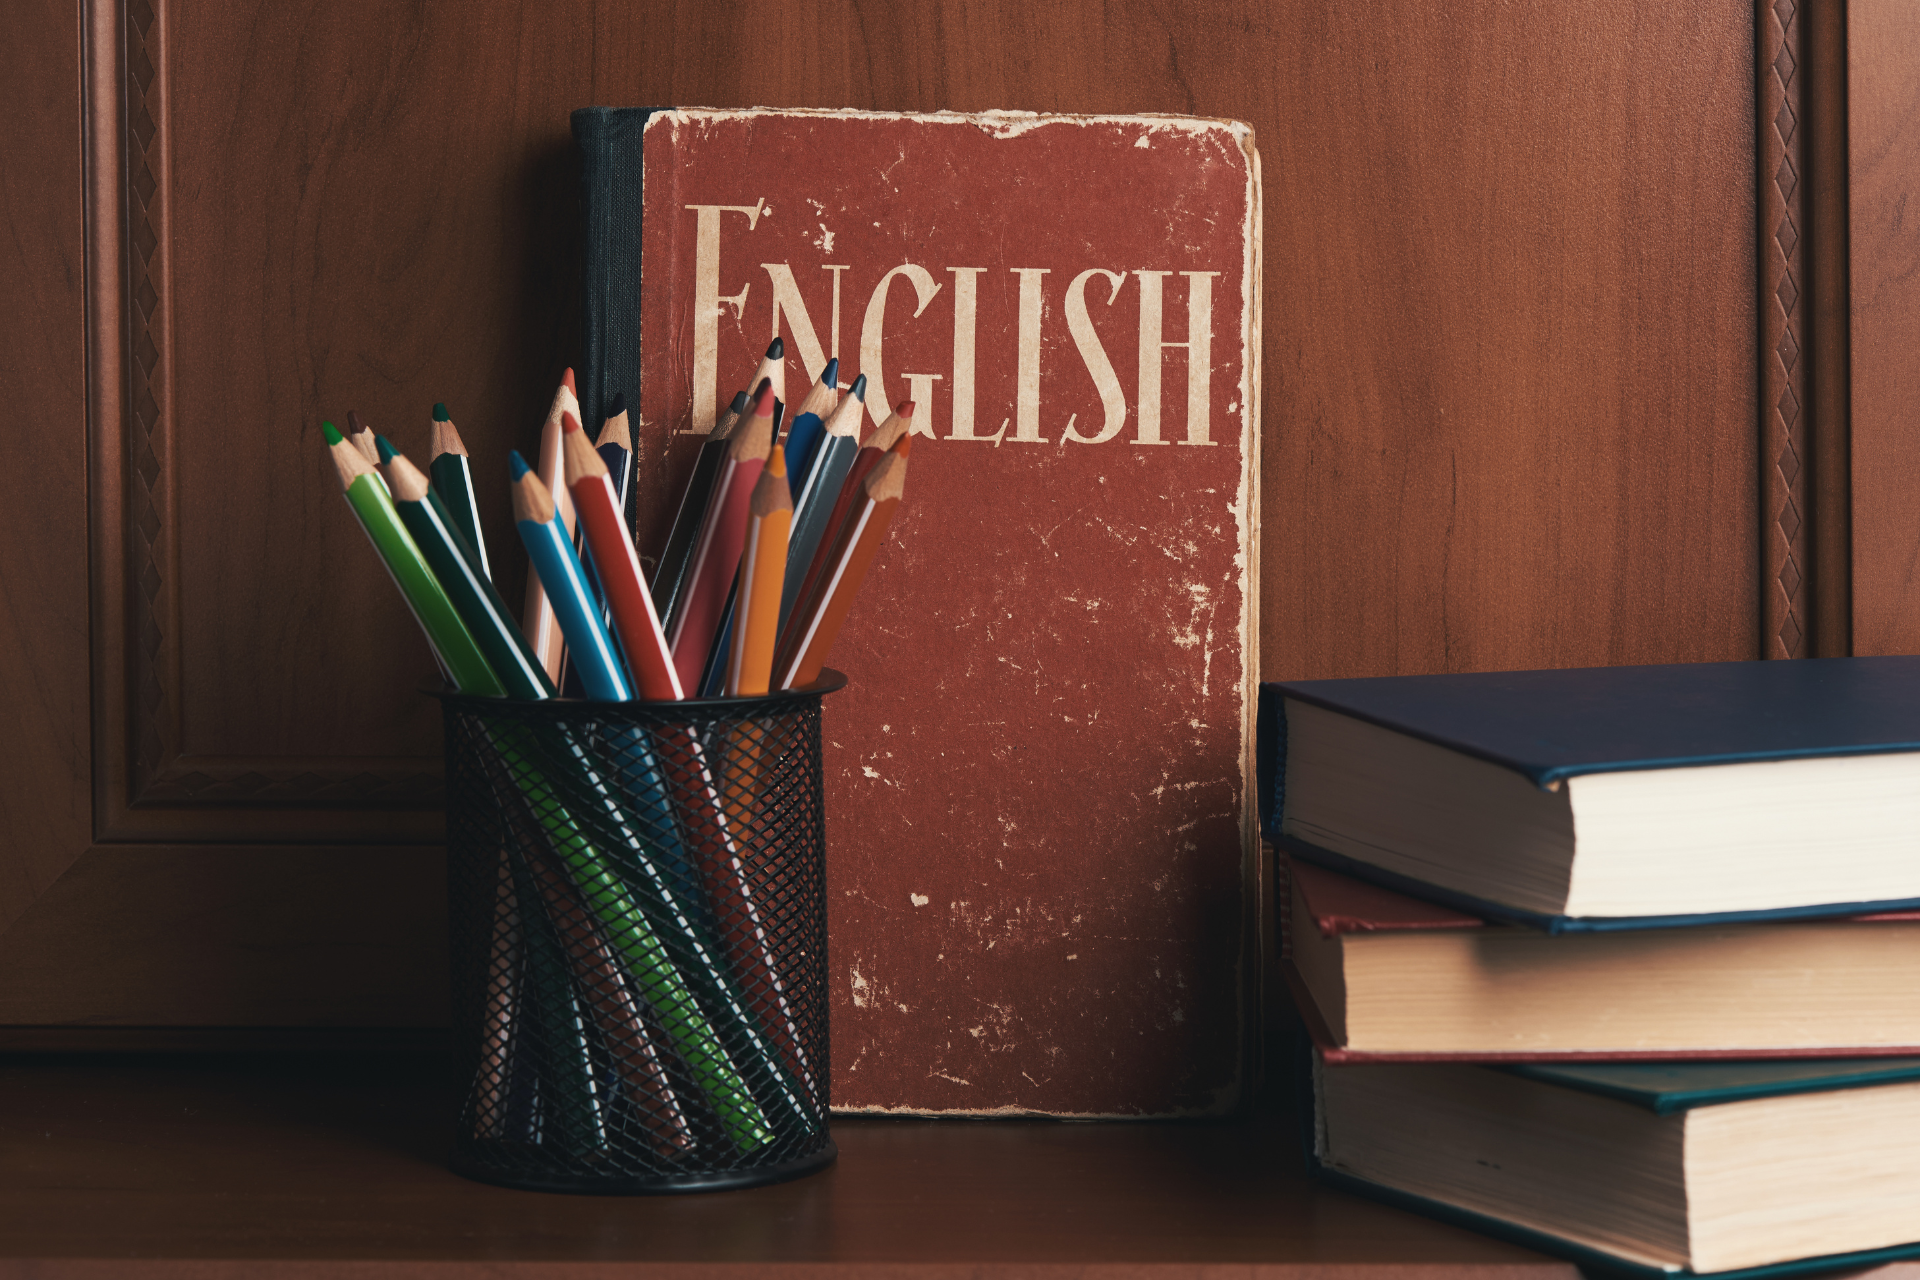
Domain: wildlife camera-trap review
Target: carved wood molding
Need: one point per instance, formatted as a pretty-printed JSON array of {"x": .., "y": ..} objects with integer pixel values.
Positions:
[
  {"x": 145, "y": 787},
  {"x": 1786, "y": 584}
]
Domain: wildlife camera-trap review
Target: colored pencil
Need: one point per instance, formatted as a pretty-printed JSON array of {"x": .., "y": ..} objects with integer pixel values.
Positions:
[
  {"x": 757, "y": 597},
  {"x": 603, "y": 988},
  {"x": 648, "y": 658},
  {"x": 537, "y": 619},
  {"x": 627, "y": 928},
  {"x": 803, "y": 435},
  {"x": 722, "y": 536},
  {"x": 360, "y": 435},
  {"x": 713, "y": 676},
  {"x": 473, "y": 595},
  {"x": 815, "y": 498},
  {"x": 773, "y": 368},
  {"x": 670, "y": 575},
  {"x": 557, "y": 564},
  {"x": 453, "y": 481},
  {"x": 817, "y": 619},
  {"x": 615, "y": 447},
  {"x": 879, "y": 440},
  {"x": 460, "y": 657}
]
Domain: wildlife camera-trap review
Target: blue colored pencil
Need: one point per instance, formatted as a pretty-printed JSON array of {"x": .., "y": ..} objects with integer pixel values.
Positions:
[{"x": 565, "y": 585}]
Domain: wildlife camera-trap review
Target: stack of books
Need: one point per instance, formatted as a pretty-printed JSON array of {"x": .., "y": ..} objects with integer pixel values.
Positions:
[{"x": 1622, "y": 963}]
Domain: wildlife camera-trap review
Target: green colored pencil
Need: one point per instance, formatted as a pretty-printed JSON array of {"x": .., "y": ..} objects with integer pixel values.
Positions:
[
  {"x": 453, "y": 481},
  {"x": 459, "y": 655},
  {"x": 471, "y": 591}
]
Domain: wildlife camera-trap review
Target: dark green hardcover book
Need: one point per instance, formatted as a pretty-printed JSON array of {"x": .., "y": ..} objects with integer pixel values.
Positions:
[{"x": 1728, "y": 1169}]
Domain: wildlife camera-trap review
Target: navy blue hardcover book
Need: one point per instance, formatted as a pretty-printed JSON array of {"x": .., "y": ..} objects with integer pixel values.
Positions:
[
  {"x": 1609, "y": 797},
  {"x": 1661, "y": 1186}
]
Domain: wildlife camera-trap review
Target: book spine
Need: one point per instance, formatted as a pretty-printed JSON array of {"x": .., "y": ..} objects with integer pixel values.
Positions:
[{"x": 609, "y": 140}]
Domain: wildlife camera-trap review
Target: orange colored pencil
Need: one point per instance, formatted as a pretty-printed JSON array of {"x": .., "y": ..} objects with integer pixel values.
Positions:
[
  {"x": 882, "y": 438},
  {"x": 619, "y": 568},
  {"x": 537, "y": 620},
  {"x": 817, "y": 620},
  {"x": 756, "y": 621}
]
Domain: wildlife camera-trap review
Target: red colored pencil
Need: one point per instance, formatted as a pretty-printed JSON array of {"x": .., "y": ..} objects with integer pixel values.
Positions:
[
  {"x": 614, "y": 560},
  {"x": 723, "y": 536}
]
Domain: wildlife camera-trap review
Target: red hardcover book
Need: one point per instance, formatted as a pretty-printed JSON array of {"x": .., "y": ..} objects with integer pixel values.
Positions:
[
  {"x": 1382, "y": 977},
  {"x": 1038, "y": 779}
]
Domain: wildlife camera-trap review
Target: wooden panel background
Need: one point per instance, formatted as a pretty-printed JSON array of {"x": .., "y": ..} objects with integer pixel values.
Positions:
[
  {"x": 1884, "y": 187},
  {"x": 1510, "y": 368}
]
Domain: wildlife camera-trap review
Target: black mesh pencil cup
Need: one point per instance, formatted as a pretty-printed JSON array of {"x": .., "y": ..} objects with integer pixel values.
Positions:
[{"x": 638, "y": 906}]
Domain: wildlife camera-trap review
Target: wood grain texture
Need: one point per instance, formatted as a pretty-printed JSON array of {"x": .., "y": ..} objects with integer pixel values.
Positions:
[
  {"x": 340, "y": 1159},
  {"x": 144, "y": 935},
  {"x": 1509, "y": 317},
  {"x": 1883, "y": 179},
  {"x": 1786, "y": 423},
  {"x": 45, "y": 817},
  {"x": 1829, "y": 380},
  {"x": 1510, "y": 358}
]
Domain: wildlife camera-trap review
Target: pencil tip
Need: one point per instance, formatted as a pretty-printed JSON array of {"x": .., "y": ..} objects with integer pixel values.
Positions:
[
  {"x": 568, "y": 423},
  {"x": 385, "y": 446},
  {"x": 440, "y": 413},
  {"x": 332, "y": 436},
  {"x": 860, "y": 388},
  {"x": 566, "y": 380},
  {"x": 831, "y": 378},
  {"x": 777, "y": 350},
  {"x": 619, "y": 405},
  {"x": 516, "y": 464}
]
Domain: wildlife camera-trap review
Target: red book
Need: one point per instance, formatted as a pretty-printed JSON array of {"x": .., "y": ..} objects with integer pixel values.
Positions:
[
  {"x": 1382, "y": 977},
  {"x": 1038, "y": 780}
]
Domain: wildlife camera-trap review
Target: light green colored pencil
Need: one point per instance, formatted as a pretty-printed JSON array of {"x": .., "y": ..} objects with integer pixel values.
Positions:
[{"x": 459, "y": 656}]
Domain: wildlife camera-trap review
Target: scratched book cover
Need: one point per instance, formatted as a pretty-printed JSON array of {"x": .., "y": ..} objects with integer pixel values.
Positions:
[{"x": 1038, "y": 780}]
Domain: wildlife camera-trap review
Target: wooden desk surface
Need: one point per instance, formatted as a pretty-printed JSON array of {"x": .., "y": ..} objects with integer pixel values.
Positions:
[{"x": 290, "y": 1166}]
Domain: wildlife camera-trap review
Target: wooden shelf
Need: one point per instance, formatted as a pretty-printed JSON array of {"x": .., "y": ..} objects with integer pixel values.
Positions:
[{"x": 191, "y": 1164}]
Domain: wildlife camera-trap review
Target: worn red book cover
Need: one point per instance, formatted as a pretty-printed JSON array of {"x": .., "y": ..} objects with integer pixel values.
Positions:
[{"x": 1038, "y": 779}]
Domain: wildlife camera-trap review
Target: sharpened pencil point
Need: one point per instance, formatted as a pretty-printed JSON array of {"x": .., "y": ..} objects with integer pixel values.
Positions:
[
  {"x": 619, "y": 405},
  {"x": 440, "y": 413},
  {"x": 777, "y": 350},
  {"x": 332, "y": 437},
  {"x": 568, "y": 423},
  {"x": 385, "y": 446},
  {"x": 859, "y": 391},
  {"x": 831, "y": 377},
  {"x": 516, "y": 465}
]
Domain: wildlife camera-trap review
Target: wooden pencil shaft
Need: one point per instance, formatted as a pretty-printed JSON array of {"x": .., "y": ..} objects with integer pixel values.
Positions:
[
  {"x": 812, "y": 507},
  {"x": 453, "y": 482},
  {"x": 454, "y": 645},
  {"x": 715, "y": 559},
  {"x": 473, "y": 596},
  {"x": 669, "y": 577},
  {"x": 647, "y": 960},
  {"x": 567, "y": 593},
  {"x": 603, "y": 989},
  {"x": 628, "y": 601}
]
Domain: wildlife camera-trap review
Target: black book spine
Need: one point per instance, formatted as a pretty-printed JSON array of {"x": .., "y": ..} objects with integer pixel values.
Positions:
[{"x": 611, "y": 173}]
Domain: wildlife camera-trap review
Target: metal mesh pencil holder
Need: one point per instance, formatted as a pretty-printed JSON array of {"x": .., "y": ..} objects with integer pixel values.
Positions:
[{"x": 637, "y": 895}]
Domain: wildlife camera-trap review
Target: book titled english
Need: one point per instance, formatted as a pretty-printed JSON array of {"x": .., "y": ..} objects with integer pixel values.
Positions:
[
  {"x": 1611, "y": 797},
  {"x": 1038, "y": 783}
]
